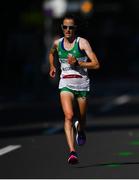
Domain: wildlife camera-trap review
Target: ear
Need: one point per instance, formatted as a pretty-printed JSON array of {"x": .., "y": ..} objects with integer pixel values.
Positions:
[{"x": 62, "y": 27}]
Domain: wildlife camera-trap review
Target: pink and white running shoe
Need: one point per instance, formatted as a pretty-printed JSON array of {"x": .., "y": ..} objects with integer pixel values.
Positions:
[{"x": 73, "y": 158}]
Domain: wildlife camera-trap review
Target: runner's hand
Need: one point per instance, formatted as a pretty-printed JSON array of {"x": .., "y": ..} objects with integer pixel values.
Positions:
[
  {"x": 52, "y": 72},
  {"x": 72, "y": 60}
]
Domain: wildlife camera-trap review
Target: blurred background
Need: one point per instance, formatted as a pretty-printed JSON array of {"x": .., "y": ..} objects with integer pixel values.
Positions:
[{"x": 29, "y": 99}]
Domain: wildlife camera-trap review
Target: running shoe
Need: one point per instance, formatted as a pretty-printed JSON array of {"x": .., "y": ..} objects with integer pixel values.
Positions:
[
  {"x": 73, "y": 158},
  {"x": 80, "y": 135}
]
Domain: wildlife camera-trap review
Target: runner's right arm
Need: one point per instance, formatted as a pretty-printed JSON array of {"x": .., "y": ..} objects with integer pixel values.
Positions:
[{"x": 52, "y": 71}]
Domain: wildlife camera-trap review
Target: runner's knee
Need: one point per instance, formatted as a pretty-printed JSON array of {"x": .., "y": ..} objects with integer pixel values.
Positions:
[{"x": 68, "y": 116}]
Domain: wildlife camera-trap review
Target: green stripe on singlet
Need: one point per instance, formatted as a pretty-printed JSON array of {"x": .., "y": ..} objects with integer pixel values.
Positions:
[{"x": 75, "y": 51}]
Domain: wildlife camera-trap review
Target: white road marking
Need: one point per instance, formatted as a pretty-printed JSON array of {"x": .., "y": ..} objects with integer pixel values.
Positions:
[
  {"x": 8, "y": 149},
  {"x": 118, "y": 101}
]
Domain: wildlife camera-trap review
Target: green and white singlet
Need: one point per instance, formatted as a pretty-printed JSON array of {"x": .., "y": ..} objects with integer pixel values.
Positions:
[{"x": 73, "y": 77}]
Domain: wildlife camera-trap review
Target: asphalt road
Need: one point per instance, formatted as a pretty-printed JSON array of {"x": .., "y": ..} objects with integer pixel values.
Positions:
[{"x": 108, "y": 153}]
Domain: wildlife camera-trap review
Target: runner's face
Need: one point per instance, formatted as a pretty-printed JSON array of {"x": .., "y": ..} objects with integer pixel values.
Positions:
[{"x": 68, "y": 28}]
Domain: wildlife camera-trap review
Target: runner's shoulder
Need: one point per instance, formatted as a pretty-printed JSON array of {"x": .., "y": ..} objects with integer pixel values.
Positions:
[
  {"x": 56, "y": 41},
  {"x": 83, "y": 42}
]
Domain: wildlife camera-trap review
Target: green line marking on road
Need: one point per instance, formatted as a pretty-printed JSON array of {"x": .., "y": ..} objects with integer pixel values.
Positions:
[
  {"x": 125, "y": 153},
  {"x": 134, "y": 143},
  {"x": 113, "y": 165}
]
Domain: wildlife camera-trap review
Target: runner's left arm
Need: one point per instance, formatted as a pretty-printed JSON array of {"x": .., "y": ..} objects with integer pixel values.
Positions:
[{"x": 93, "y": 63}]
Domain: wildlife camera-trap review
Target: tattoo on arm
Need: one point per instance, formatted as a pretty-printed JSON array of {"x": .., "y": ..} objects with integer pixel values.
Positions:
[{"x": 52, "y": 50}]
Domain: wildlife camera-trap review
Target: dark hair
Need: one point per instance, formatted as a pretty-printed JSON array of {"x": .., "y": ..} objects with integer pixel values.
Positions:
[{"x": 70, "y": 16}]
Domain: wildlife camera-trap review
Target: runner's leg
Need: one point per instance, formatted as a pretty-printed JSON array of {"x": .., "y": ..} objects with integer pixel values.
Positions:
[
  {"x": 67, "y": 106},
  {"x": 82, "y": 104}
]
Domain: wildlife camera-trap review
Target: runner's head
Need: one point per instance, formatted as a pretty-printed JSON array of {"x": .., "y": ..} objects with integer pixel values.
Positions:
[{"x": 69, "y": 26}]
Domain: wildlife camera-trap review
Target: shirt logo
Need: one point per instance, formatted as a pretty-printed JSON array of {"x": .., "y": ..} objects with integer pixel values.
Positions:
[{"x": 59, "y": 53}]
